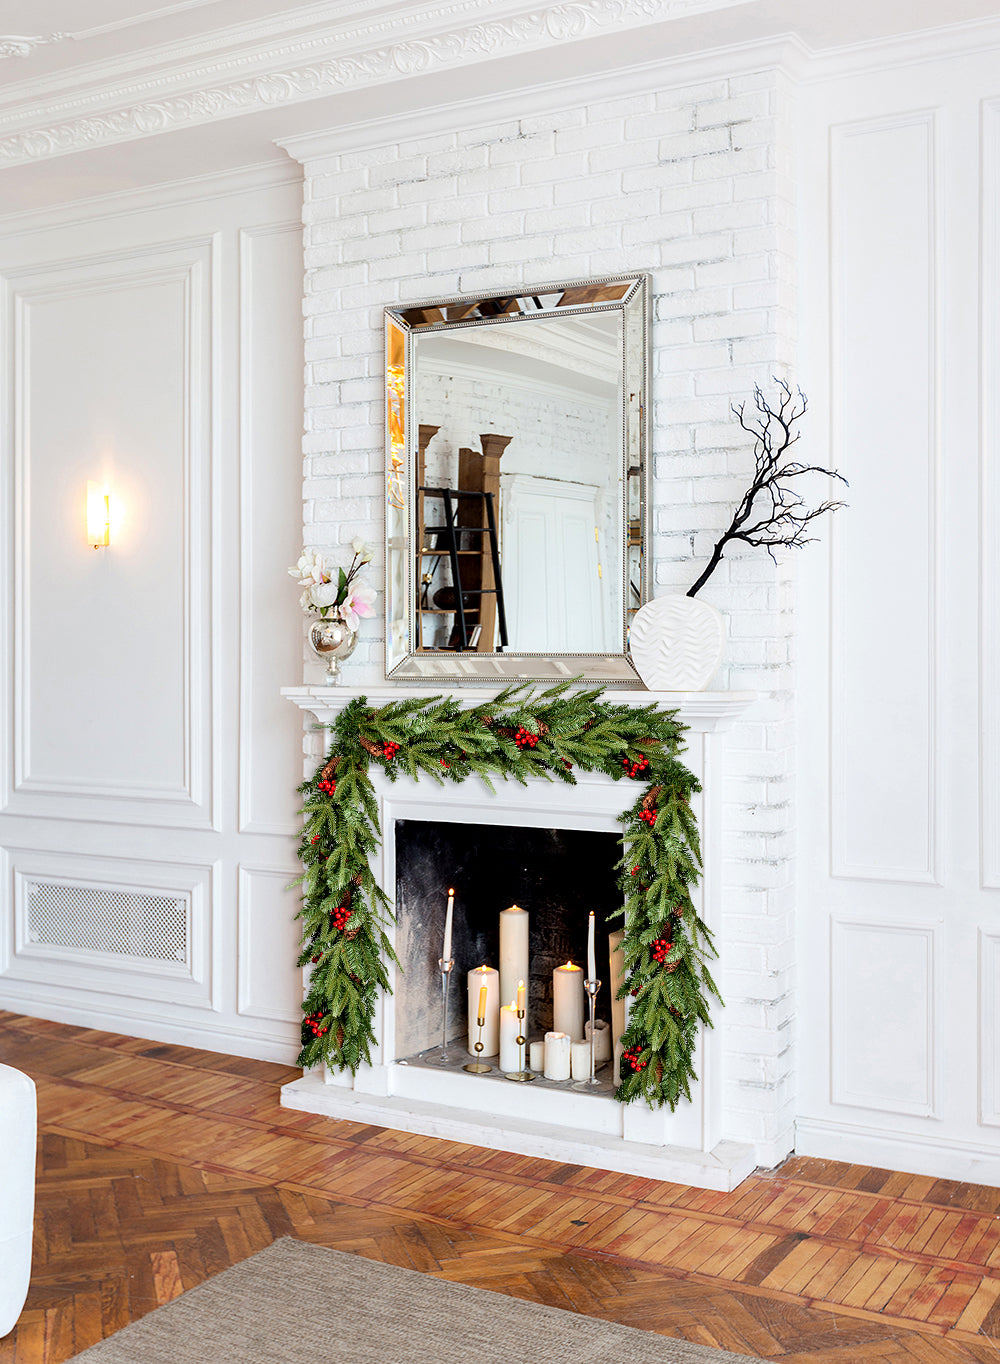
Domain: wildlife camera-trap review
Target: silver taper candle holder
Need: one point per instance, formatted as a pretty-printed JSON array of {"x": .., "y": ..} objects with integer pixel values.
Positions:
[
  {"x": 478, "y": 1066},
  {"x": 445, "y": 968},
  {"x": 591, "y": 987},
  {"x": 520, "y": 1074}
]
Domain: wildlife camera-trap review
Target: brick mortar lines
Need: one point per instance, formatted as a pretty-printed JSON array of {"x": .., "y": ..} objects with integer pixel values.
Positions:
[{"x": 696, "y": 187}]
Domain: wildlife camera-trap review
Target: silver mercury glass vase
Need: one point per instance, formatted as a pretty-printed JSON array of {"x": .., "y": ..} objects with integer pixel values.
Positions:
[{"x": 332, "y": 641}]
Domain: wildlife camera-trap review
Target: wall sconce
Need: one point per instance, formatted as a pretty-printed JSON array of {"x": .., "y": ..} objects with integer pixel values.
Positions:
[{"x": 98, "y": 515}]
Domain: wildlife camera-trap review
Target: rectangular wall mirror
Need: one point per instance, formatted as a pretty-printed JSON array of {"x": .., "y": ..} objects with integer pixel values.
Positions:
[{"x": 517, "y": 483}]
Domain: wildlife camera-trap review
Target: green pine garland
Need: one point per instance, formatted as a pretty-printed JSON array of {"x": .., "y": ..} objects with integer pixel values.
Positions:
[{"x": 520, "y": 733}]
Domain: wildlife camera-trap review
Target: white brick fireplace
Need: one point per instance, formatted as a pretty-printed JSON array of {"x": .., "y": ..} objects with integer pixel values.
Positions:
[
  {"x": 690, "y": 1145},
  {"x": 693, "y": 184}
]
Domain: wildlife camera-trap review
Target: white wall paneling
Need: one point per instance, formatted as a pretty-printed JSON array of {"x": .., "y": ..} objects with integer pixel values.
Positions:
[
  {"x": 884, "y": 326},
  {"x": 989, "y": 604},
  {"x": 897, "y": 723},
  {"x": 883, "y": 1027},
  {"x": 271, "y": 517},
  {"x": 133, "y": 632},
  {"x": 158, "y": 347},
  {"x": 270, "y": 984},
  {"x": 989, "y": 1027}
]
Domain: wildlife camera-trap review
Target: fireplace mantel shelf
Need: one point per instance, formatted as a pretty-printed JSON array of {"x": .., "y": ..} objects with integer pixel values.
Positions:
[{"x": 705, "y": 712}]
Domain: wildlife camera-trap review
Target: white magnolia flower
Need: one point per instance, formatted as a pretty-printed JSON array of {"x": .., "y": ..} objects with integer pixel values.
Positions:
[{"x": 323, "y": 594}]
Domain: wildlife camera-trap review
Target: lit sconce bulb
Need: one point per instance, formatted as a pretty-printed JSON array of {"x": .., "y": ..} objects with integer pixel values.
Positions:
[{"x": 98, "y": 515}]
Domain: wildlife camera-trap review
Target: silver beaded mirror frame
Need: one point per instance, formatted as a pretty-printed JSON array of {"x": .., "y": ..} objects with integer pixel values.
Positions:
[{"x": 517, "y": 483}]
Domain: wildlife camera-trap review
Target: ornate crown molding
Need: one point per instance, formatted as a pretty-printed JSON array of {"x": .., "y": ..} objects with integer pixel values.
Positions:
[
  {"x": 159, "y": 110},
  {"x": 23, "y": 44}
]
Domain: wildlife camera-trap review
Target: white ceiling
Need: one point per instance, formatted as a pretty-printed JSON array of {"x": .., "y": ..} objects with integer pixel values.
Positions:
[{"x": 105, "y": 106}]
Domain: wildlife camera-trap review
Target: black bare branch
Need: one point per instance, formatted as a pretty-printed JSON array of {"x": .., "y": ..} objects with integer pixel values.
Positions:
[{"x": 771, "y": 513}]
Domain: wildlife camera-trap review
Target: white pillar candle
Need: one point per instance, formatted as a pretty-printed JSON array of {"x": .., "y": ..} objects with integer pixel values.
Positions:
[
  {"x": 557, "y": 1056},
  {"x": 602, "y": 1041},
  {"x": 510, "y": 1052},
  {"x": 513, "y": 950},
  {"x": 536, "y": 1054},
  {"x": 567, "y": 1001},
  {"x": 488, "y": 977},
  {"x": 446, "y": 953},
  {"x": 591, "y": 959},
  {"x": 579, "y": 1060},
  {"x": 617, "y": 974}
]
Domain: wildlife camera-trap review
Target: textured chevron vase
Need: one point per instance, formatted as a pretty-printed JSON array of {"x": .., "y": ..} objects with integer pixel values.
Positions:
[{"x": 677, "y": 643}]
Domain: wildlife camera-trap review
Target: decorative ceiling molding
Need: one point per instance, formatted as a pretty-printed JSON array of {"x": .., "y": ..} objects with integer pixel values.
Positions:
[
  {"x": 23, "y": 44},
  {"x": 480, "y": 41}
]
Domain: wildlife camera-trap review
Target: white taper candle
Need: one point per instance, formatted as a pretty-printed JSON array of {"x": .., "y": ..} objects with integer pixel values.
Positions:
[
  {"x": 591, "y": 958},
  {"x": 446, "y": 954}
]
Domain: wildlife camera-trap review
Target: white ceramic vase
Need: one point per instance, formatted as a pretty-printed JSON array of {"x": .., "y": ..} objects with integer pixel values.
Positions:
[{"x": 677, "y": 643}]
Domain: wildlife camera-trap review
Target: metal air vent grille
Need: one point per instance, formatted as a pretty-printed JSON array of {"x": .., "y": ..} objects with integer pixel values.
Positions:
[{"x": 121, "y": 923}]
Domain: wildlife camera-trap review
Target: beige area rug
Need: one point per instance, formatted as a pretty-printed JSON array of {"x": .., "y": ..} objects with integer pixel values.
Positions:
[{"x": 296, "y": 1303}]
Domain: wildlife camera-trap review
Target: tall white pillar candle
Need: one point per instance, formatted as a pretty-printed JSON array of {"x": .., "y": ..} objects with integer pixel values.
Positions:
[
  {"x": 579, "y": 1060},
  {"x": 557, "y": 1056},
  {"x": 536, "y": 1053},
  {"x": 484, "y": 975},
  {"x": 617, "y": 973},
  {"x": 567, "y": 1001},
  {"x": 513, "y": 950},
  {"x": 446, "y": 953},
  {"x": 510, "y": 1052},
  {"x": 591, "y": 958}
]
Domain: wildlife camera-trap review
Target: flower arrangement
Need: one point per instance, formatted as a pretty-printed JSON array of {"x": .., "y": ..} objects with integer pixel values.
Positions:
[{"x": 334, "y": 593}]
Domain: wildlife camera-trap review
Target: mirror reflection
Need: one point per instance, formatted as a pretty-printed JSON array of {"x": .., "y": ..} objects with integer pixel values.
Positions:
[
  {"x": 519, "y": 480},
  {"x": 517, "y": 529}
]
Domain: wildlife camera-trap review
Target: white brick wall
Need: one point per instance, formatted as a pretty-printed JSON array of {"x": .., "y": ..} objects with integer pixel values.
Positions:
[{"x": 696, "y": 186}]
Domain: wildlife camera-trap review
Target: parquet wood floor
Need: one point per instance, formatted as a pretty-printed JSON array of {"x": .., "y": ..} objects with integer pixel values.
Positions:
[{"x": 160, "y": 1166}]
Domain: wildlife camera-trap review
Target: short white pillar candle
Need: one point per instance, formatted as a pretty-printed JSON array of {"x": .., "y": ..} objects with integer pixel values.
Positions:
[
  {"x": 477, "y": 978},
  {"x": 510, "y": 1024},
  {"x": 536, "y": 1053},
  {"x": 602, "y": 1040},
  {"x": 557, "y": 1056},
  {"x": 579, "y": 1060},
  {"x": 567, "y": 1001}
]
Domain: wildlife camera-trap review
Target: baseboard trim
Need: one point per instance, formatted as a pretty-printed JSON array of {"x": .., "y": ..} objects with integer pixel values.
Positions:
[
  {"x": 910, "y": 1152},
  {"x": 255, "y": 1046}
]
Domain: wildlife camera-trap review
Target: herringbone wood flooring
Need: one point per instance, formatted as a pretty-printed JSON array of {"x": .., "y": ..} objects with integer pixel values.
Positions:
[{"x": 160, "y": 1166}]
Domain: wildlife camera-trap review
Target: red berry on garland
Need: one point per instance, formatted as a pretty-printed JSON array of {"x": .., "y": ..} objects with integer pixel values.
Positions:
[
  {"x": 314, "y": 839},
  {"x": 444, "y": 764},
  {"x": 327, "y": 786},
  {"x": 648, "y": 817},
  {"x": 661, "y": 949},
  {"x": 635, "y": 871},
  {"x": 389, "y": 750}
]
